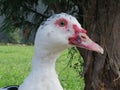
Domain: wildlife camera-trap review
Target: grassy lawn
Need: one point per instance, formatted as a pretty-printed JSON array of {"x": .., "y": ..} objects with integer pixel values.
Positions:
[{"x": 15, "y": 61}]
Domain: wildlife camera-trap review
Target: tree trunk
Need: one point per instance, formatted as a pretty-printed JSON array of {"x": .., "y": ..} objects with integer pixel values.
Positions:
[{"x": 102, "y": 21}]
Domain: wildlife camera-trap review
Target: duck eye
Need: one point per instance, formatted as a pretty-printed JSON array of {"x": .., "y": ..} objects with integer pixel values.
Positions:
[{"x": 62, "y": 24}]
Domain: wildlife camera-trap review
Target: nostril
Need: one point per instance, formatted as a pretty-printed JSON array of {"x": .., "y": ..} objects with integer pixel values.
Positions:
[{"x": 83, "y": 37}]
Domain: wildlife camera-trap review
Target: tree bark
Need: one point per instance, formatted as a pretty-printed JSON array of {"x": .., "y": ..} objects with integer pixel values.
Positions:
[{"x": 102, "y": 21}]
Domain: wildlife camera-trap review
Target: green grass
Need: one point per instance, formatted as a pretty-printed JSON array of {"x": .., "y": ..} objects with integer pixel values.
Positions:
[{"x": 15, "y": 61}]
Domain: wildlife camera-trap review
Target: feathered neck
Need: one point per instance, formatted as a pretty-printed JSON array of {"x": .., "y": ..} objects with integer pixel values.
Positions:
[
  {"x": 43, "y": 75},
  {"x": 43, "y": 60}
]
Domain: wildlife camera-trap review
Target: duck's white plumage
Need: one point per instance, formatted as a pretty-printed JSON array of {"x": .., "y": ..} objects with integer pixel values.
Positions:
[{"x": 57, "y": 33}]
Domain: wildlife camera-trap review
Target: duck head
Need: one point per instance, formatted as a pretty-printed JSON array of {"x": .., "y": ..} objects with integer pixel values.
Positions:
[{"x": 62, "y": 31}]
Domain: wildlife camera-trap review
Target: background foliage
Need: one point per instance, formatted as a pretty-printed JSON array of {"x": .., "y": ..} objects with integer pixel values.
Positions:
[{"x": 26, "y": 15}]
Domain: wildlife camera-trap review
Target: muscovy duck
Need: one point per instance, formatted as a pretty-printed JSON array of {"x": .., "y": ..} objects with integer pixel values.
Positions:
[{"x": 57, "y": 33}]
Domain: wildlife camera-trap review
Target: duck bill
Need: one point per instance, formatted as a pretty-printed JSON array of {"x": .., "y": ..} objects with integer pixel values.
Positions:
[{"x": 83, "y": 41}]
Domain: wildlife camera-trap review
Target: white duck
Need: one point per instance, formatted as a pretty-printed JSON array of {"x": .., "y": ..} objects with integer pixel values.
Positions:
[{"x": 57, "y": 33}]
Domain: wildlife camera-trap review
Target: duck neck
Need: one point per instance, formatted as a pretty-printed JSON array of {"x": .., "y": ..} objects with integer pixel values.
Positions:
[
  {"x": 44, "y": 62},
  {"x": 43, "y": 75}
]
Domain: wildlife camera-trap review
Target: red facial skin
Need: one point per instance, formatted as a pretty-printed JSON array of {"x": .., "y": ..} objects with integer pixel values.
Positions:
[
  {"x": 76, "y": 33},
  {"x": 60, "y": 21},
  {"x": 77, "y": 30}
]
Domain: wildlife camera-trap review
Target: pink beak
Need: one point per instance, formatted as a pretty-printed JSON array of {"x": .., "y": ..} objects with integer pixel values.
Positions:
[{"x": 80, "y": 39}]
